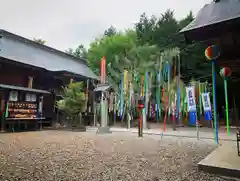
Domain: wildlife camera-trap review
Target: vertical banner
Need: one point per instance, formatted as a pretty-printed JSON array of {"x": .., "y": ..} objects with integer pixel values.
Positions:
[
  {"x": 103, "y": 70},
  {"x": 191, "y": 105},
  {"x": 207, "y": 106}
]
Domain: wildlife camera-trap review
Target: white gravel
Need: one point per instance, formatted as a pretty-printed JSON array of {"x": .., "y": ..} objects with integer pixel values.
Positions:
[{"x": 68, "y": 156}]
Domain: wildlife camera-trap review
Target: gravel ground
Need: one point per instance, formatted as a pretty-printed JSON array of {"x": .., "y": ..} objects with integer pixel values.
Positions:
[{"x": 63, "y": 155}]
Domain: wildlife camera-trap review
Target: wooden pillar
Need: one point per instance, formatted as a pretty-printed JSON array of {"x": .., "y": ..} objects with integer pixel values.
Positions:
[
  {"x": 2, "y": 113},
  {"x": 5, "y": 109}
]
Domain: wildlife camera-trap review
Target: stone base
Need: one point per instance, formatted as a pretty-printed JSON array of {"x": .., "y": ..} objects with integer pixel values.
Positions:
[
  {"x": 103, "y": 130},
  {"x": 79, "y": 128},
  {"x": 222, "y": 161}
]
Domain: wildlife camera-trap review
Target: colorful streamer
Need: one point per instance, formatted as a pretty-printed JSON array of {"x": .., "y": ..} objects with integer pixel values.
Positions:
[
  {"x": 6, "y": 111},
  {"x": 158, "y": 111},
  {"x": 178, "y": 93},
  {"x": 146, "y": 83},
  {"x": 125, "y": 81},
  {"x": 121, "y": 97},
  {"x": 169, "y": 78},
  {"x": 103, "y": 71}
]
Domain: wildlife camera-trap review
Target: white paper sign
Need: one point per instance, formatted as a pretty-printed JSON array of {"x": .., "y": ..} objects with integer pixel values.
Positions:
[
  {"x": 13, "y": 96},
  {"x": 30, "y": 97},
  {"x": 191, "y": 99},
  {"x": 206, "y": 102}
]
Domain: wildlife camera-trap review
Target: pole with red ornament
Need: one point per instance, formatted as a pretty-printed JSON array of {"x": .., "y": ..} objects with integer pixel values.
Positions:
[
  {"x": 212, "y": 53},
  {"x": 140, "y": 123},
  {"x": 226, "y": 73}
]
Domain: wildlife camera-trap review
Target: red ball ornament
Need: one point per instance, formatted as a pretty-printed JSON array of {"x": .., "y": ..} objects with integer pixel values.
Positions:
[
  {"x": 212, "y": 52},
  {"x": 225, "y": 72}
]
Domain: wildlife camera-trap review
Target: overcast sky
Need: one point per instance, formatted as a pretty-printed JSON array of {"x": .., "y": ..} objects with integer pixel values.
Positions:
[{"x": 67, "y": 23}]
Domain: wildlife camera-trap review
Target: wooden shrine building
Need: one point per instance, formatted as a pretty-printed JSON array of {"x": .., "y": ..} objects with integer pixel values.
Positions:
[
  {"x": 218, "y": 23},
  {"x": 31, "y": 75}
]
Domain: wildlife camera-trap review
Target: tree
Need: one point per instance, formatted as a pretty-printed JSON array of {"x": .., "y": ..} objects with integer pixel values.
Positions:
[
  {"x": 163, "y": 32},
  {"x": 79, "y": 52},
  {"x": 110, "y": 31},
  {"x": 40, "y": 41},
  {"x": 137, "y": 61},
  {"x": 110, "y": 46},
  {"x": 73, "y": 103}
]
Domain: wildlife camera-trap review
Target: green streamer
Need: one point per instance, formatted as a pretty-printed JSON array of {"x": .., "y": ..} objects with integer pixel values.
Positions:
[
  {"x": 226, "y": 105},
  {"x": 6, "y": 112}
]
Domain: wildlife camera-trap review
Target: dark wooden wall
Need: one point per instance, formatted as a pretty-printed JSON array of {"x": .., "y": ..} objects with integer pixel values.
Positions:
[{"x": 15, "y": 74}]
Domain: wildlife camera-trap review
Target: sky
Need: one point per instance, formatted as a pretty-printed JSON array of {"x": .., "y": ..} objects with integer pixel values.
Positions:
[{"x": 67, "y": 23}]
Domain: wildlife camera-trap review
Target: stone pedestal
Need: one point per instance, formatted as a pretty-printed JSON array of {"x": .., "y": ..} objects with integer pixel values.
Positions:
[
  {"x": 104, "y": 118},
  {"x": 103, "y": 130}
]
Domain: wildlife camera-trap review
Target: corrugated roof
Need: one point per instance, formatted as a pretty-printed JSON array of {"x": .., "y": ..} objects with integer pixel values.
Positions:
[
  {"x": 25, "y": 51},
  {"x": 11, "y": 87},
  {"x": 213, "y": 13}
]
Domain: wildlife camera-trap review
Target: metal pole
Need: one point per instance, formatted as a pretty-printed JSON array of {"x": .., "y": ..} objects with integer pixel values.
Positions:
[
  {"x": 214, "y": 99},
  {"x": 226, "y": 105}
]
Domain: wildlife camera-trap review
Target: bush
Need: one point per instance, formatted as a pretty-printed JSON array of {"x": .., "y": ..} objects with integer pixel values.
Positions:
[{"x": 73, "y": 102}]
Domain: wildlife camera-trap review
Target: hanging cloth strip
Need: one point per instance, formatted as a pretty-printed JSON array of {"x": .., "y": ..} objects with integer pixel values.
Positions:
[{"x": 121, "y": 96}]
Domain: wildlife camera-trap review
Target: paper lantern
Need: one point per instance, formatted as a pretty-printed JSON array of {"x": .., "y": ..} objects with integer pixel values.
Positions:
[
  {"x": 225, "y": 72},
  {"x": 212, "y": 52}
]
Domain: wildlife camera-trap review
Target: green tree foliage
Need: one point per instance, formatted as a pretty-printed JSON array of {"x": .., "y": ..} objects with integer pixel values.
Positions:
[
  {"x": 136, "y": 61},
  {"x": 73, "y": 102},
  {"x": 79, "y": 52},
  {"x": 110, "y": 47},
  {"x": 163, "y": 32},
  {"x": 40, "y": 41},
  {"x": 110, "y": 31}
]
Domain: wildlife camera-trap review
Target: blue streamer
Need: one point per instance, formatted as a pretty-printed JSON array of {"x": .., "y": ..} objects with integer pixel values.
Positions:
[{"x": 121, "y": 97}]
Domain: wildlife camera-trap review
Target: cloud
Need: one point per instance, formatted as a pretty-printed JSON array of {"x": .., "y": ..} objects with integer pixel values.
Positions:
[
  {"x": 82, "y": 32},
  {"x": 67, "y": 23}
]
